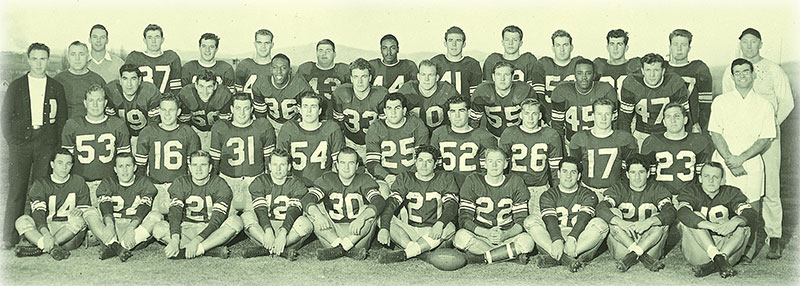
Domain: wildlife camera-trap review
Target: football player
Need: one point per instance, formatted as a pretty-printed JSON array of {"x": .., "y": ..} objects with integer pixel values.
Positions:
[
  {"x": 617, "y": 67},
  {"x": 203, "y": 103},
  {"x": 325, "y": 75},
  {"x": 499, "y": 100},
  {"x": 567, "y": 232},
  {"x": 209, "y": 45},
  {"x": 493, "y": 206},
  {"x": 638, "y": 213},
  {"x": 463, "y": 72},
  {"x": 344, "y": 207},
  {"x": 572, "y": 101},
  {"x": 163, "y": 150},
  {"x": 276, "y": 96},
  {"x": 431, "y": 200},
  {"x": 460, "y": 144},
  {"x": 602, "y": 150},
  {"x": 389, "y": 71},
  {"x": 199, "y": 223},
  {"x": 525, "y": 67},
  {"x": 133, "y": 100},
  {"x": 645, "y": 97},
  {"x": 715, "y": 220},
  {"x": 313, "y": 145},
  {"x": 101, "y": 61},
  {"x": 95, "y": 139},
  {"x": 695, "y": 74},
  {"x": 239, "y": 149},
  {"x": 355, "y": 105},
  {"x": 77, "y": 78},
  {"x": 559, "y": 68},
  {"x": 162, "y": 68},
  {"x": 55, "y": 222},
  {"x": 535, "y": 151},
  {"x": 427, "y": 97},
  {"x": 250, "y": 69},
  {"x": 276, "y": 222}
]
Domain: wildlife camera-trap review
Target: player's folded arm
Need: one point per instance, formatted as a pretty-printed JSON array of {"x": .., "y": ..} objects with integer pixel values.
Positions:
[
  {"x": 466, "y": 215},
  {"x": 313, "y": 197},
  {"x": 376, "y": 202},
  {"x": 262, "y": 212},
  {"x": 666, "y": 211},
  {"x": 449, "y": 208},
  {"x": 392, "y": 203},
  {"x": 175, "y": 216},
  {"x": 686, "y": 214},
  {"x": 604, "y": 209},
  {"x": 745, "y": 211},
  {"x": 583, "y": 218},
  {"x": 292, "y": 214},
  {"x": 219, "y": 212}
]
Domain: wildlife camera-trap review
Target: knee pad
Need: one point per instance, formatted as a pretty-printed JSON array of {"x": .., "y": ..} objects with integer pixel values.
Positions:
[
  {"x": 524, "y": 243},
  {"x": 598, "y": 225},
  {"x": 24, "y": 224},
  {"x": 234, "y": 222}
]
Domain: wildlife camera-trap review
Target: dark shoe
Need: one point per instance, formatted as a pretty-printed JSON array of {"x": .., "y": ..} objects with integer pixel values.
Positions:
[
  {"x": 725, "y": 268},
  {"x": 544, "y": 260},
  {"x": 651, "y": 263},
  {"x": 745, "y": 260},
  {"x": 392, "y": 257},
  {"x": 572, "y": 264},
  {"x": 704, "y": 269},
  {"x": 330, "y": 253},
  {"x": 357, "y": 253},
  {"x": 219, "y": 251},
  {"x": 256, "y": 252},
  {"x": 106, "y": 252},
  {"x": 290, "y": 254},
  {"x": 626, "y": 262},
  {"x": 521, "y": 259},
  {"x": 775, "y": 248},
  {"x": 59, "y": 253},
  {"x": 27, "y": 251}
]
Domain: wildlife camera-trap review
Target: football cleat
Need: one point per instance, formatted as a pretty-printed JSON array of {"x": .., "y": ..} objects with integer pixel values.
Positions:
[
  {"x": 219, "y": 251},
  {"x": 392, "y": 257},
  {"x": 27, "y": 251},
  {"x": 181, "y": 254},
  {"x": 59, "y": 253},
  {"x": 357, "y": 253},
  {"x": 704, "y": 270},
  {"x": 330, "y": 253},
  {"x": 106, "y": 252},
  {"x": 545, "y": 261},
  {"x": 123, "y": 254},
  {"x": 745, "y": 260},
  {"x": 521, "y": 259},
  {"x": 256, "y": 252},
  {"x": 572, "y": 264},
  {"x": 626, "y": 262},
  {"x": 651, "y": 263},
  {"x": 775, "y": 248},
  {"x": 725, "y": 268},
  {"x": 290, "y": 254}
]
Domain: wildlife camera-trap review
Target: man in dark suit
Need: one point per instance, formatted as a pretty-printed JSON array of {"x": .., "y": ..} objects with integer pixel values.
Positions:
[{"x": 33, "y": 113}]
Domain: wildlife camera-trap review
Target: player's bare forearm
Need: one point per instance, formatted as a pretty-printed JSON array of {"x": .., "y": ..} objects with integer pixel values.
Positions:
[
  {"x": 759, "y": 146},
  {"x": 368, "y": 213},
  {"x": 720, "y": 144}
]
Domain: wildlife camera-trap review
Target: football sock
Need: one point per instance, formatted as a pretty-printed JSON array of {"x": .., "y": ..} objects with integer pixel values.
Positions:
[
  {"x": 501, "y": 253},
  {"x": 40, "y": 243},
  {"x": 112, "y": 241},
  {"x": 412, "y": 249},
  {"x": 346, "y": 244},
  {"x": 140, "y": 234},
  {"x": 336, "y": 242},
  {"x": 712, "y": 251},
  {"x": 635, "y": 248},
  {"x": 201, "y": 249}
]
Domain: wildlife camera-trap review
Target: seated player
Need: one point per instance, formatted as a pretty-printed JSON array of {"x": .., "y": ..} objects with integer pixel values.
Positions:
[
  {"x": 567, "y": 233},
  {"x": 638, "y": 213},
  {"x": 124, "y": 219},
  {"x": 715, "y": 220},
  {"x": 493, "y": 207},
  {"x": 199, "y": 223},
  {"x": 351, "y": 202},
  {"x": 276, "y": 222},
  {"x": 424, "y": 193},
  {"x": 55, "y": 223}
]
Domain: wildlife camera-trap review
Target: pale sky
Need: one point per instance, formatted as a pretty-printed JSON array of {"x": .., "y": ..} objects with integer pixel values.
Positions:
[{"x": 419, "y": 25}]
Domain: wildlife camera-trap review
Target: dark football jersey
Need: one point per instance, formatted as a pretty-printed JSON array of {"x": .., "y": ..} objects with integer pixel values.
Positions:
[
  {"x": 165, "y": 152},
  {"x": 433, "y": 109},
  {"x": 138, "y": 112},
  {"x": 649, "y": 103},
  {"x": 677, "y": 162},
  {"x": 314, "y": 151},
  {"x": 75, "y": 87},
  {"x": 554, "y": 74},
  {"x": 461, "y": 152},
  {"x": 203, "y": 114},
  {"x": 488, "y": 206},
  {"x": 566, "y": 206},
  {"x": 500, "y": 111},
  {"x": 248, "y": 72},
  {"x": 324, "y": 82},
  {"x": 424, "y": 199},
  {"x": 126, "y": 199},
  {"x": 534, "y": 156},
  {"x": 526, "y": 69},
  {"x": 729, "y": 202},
  {"x": 222, "y": 69},
  {"x": 465, "y": 75},
  {"x": 344, "y": 203},
  {"x": 241, "y": 151},
  {"x": 277, "y": 198},
  {"x": 638, "y": 206},
  {"x": 616, "y": 74},
  {"x": 95, "y": 145},
  {"x": 572, "y": 111},
  {"x": 698, "y": 81},
  {"x": 164, "y": 71},
  {"x": 57, "y": 200},
  {"x": 356, "y": 115},
  {"x": 279, "y": 103},
  {"x": 602, "y": 158},
  {"x": 392, "y": 149},
  {"x": 393, "y": 77},
  {"x": 198, "y": 202}
]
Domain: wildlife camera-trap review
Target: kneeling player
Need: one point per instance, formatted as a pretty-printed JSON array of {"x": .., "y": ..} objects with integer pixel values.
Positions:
[
  {"x": 712, "y": 239},
  {"x": 638, "y": 213},
  {"x": 124, "y": 219},
  {"x": 567, "y": 210},
  {"x": 198, "y": 213},
  {"x": 344, "y": 221},
  {"x": 431, "y": 200},
  {"x": 55, "y": 223},
  {"x": 276, "y": 221},
  {"x": 493, "y": 207}
]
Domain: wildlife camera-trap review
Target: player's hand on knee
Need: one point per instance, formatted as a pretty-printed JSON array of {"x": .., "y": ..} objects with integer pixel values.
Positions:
[
  {"x": 641, "y": 226},
  {"x": 436, "y": 231},
  {"x": 556, "y": 249},
  {"x": 383, "y": 237},
  {"x": 726, "y": 228},
  {"x": 356, "y": 225}
]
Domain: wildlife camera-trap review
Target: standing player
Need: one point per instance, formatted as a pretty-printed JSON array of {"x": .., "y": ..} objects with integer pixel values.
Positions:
[
  {"x": 250, "y": 69},
  {"x": 203, "y": 103},
  {"x": 312, "y": 144},
  {"x": 559, "y": 68},
  {"x": 239, "y": 149},
  {"x": 492, "y": 209},
  {"x": 567, "y": 232},
  {"x": 355, "y": 105},
  {"x": 209, "y": 45},
  {"x": 101, "y": 61},
  {"x": 572, "y": 101},
  {"x": 276, "y": 96},
  {"x": 695, "y": 74},
  {"x": 463, "y": 72},
  {"x": 344, "y": 207},
  {"x": 324, "y": 75},
  {"x": 638, "y": 213},
  {"x": 391, "y": 72},
  {"x": 77, "y": 79},
  {"x": 427, "y": 97},
  {"x": 602, "y": 150},
  {"x": 162, "y": 68},
  {"x": 431, "y": 200},
  {"x": 199, "y": 223},
  {"x": 524, "y": 66},
  {"x": 616, "y": 68},
  {"x": 645, "y": 97},
  {"x": 499, "y": 100},
  {"x": 133, "y": 100}
]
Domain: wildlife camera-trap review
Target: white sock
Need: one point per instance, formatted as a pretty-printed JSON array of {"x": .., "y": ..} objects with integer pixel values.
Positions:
[
  {"x": 336, "y": 242},
  {"x": 110, "y": 242},
  {"x": 636, "y": 249},
  {"x": 412, "y": 249},
  {"x": 347, "y": 244},
  {"x": 40, "y": 243},
  {"x": 712, "y": 251},
  {"x": 140, "y": 234}
]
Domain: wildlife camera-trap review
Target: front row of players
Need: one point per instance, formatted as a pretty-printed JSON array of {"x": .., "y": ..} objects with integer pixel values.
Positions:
[{"x": 345, "y": 208}]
